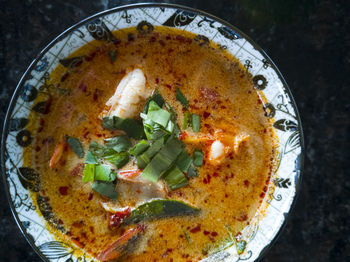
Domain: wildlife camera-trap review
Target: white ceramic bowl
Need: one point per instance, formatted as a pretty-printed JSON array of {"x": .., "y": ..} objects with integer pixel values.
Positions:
[{"x": 267, "y": 79}]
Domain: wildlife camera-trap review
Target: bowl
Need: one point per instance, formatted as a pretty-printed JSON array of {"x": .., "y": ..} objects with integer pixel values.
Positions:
[{"x": 20, "y": 181}]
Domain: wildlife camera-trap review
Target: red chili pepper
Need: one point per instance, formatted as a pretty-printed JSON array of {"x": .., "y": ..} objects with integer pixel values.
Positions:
[
  {"x": 115, "y": 219},
  {"x": 63, "y": 190},
  {"x": 130, "y": 173}
]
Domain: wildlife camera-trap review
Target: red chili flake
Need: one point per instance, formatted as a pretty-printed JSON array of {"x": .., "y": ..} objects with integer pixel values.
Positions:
[
  {"x": 115, "y": 219},
  {"x": 64, "y": 76},
  {"x": 215, "y": 174},
  {"x": 242, "y": 217},
  {"x": 214, "y": 234},
  {"x": 63, "y": 190},
  {"x": 170, "y": 50},
  {"x": 265, "y": 189},
  {"x": 259, "y": 101},
  {"x": 196, "y": 101},
  {"x": 226, "y": 195},
  {"x": 209, "y": 94},
  {"x": 160, "y": 235},
  {"x": 82, "y": 87},
  {"x": 78, "y": 170},
  {"x": 265, "y": 130},
  {"x": 168, "y": 37},
  {"x": 205, "y": 181},
  {"x": 95, "y": 95},
  {"x": 116, "y": 41},
  {"x": 205, "y": 232},
  {"x": 180, "y": 38},
  {"x": 182, "y": 135},
  {"x": 196, "y": 229},
  {"x": 207, "y": 125},
  {"x": 168, "y": 86},
  {"x": 157, "y": 80},
  {"x": 249, "y": 92},
  {"x": 262, "y": 195},
  {"x": 98, "y": 135},
  {"x": 76, "y": 241},
  {"x": 37, "y": 148},
  {"x": 86, "y": 134},
  {"x": 167, "y": 252},
  {"x": 206, "y": 114},
  {"x": 91, "y": 195},
  {"x": 161, "y": 42},
  {"x": 152, "y": 40},
  {"x": 223, "y": 107},
  {"x": 246, "y": 183}
]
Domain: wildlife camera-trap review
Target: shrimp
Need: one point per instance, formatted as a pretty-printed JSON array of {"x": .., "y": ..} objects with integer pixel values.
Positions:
[
  {"x": 130, "y": 93},
  {"x": 57, "y": 155}
]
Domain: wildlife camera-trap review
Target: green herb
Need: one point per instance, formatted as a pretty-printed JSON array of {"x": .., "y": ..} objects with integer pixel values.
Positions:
[
  {"x": 192, "y": 172},
  {"x": 174, "y": 178},
  {"x": 181, "y": 98},
  {"x": 160, "y": 208},
  {"x": 156, "y": 98},
  {"x": 139, "y": 148},
  {"x": 196, "y": 123},
  {"x": 131, "y": 127},
  {"x": 118, "y": 143},
  {"x": 183, "y": 161},
  {"x": 197, "y": 158},
  {"x": 118, "y": 159},
  {"x": 145, "y": 158},
  {"x": 163, "y": 160},
  {"x": 112, "y": 55},
  {"x": 152, "y": 130},
  {"x": 90, "y": 158},
  {"x": 104, "y": 173},
  {"x": 188, "y": 239},
  {"x": 75, "y": 145},
  {"x": 89, "y": 172},
  {"x": 176, "y": 131},
  {"x": 158, "y": 115},
  {"x": 96, "y": 150},
  {"x": 106, "y": 189},
  {"x": 187, "y": 120}
]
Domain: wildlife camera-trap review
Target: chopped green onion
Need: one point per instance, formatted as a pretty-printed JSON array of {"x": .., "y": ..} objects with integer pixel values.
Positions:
[
  {"x": 181, "y": 98},
  {"x": 104, "y": 173},
  {"x": 163, "y": 160},
  {"x": 118, "y": 159},
  {"x": 75, "y": 145},
  {"x": 156, "y": 98},
  {"x": 183, "y": 161},
  {"x": 89, "y": 172},
  {"x": 90, "y": 158},
  {"x": 192, "y": 172},
  {"x": 145, "y": 157},
  {"x": 196, "y": 123},
  {"x": 139, "y": 148},
  {"x": 174, "y": 178},
  {"x": 158, "y": 115},
  {"x": 197, "y": 158},
  {"x": 177, "y": 131},
  {"x": 118, "y": 143},
  {"x": 187, "y": 120},
  {"x": 170, "y": 126},
  {"x": 106, "y": 189},
  {"x": 131, "y": 127}
]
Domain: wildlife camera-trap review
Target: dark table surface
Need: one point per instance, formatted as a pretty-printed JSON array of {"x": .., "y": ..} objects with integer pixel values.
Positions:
[{"x": 309, "y": 40}]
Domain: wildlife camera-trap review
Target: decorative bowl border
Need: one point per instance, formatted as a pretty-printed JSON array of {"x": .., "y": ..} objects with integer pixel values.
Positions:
[{"x": 179, "y": 16}]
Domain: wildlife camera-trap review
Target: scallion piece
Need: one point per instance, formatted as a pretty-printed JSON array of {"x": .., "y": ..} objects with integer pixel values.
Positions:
[
  {"x": 106, "y": 189},
  {"x": 104, "y": 173},
  {"x": 163, "y": 160},
  {"x": 187, "y": 120},
  {"x": 89, "y": 172},
  {"x": 118, "y": 159},
  {"x": 181, "y": 98},
  {"x": 90, "y": 158},
  {"x": 196, "y": 123},
  {"x": 145, "y": 158},
  {"x": 197, "y": 158},
  {"x": 139, "y": 148},
  {"x": 131, "y": 127},
  {"x": 192, "y": 172},
  {"x": 174, "y": 178},
  {"x": 118, "y": 143},
  {"x": 156, "y": 98},
  {"x": 183, "y": 161},
  {"x": 158, "y": 115}
]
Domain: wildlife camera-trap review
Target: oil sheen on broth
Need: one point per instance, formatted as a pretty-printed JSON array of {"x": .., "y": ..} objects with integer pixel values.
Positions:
[{"x": 229, "y": 188}]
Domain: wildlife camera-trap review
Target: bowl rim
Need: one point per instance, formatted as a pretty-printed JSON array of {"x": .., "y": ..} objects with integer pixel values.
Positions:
[{"x": 44, "y": 50}]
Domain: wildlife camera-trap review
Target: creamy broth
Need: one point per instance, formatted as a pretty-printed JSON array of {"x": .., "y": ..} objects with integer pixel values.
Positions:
[{"x": 218, "y": 89}]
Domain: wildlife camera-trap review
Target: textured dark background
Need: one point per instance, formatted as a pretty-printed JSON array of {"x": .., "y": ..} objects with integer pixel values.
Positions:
[{"x": 308, "y": 40}]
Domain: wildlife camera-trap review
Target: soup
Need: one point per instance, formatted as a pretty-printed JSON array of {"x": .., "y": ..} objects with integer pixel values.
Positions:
[{"x": 153, "y": 147}]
